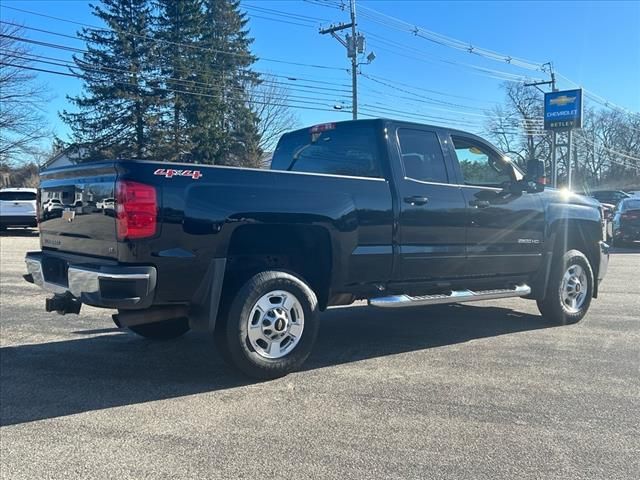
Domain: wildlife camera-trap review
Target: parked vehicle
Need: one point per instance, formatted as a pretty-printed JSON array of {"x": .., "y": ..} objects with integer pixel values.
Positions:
[
  {"x": 608, "y": 211},
  {"x": 397, "y": 213},
  {"x": 106, "y": 204},
  {"x": 626, "y": 222},
  {"x": 17, "y": 207},
  {"x": 52, "y": 208},
  {"x": 609, "y": 196}
]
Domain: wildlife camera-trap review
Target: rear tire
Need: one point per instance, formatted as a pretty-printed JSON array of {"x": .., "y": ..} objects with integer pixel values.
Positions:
[
  {"x": 270, "y": 326},
  {"x": 570, "y": 289},
  {"x": 165, "y": 330}
]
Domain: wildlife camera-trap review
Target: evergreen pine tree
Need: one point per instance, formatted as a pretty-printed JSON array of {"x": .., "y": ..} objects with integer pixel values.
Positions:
[
  {"x": 116, "y": 113},
  {"x": 179, "y": 31},
  {"x": 225, "y": 127}
]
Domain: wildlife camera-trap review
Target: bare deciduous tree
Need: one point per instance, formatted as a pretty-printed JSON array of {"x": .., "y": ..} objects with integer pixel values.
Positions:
[
  {"x": 517, "y": 126},
  {"x": 22, "y": 125},
  {"x": 605, "y": 151},
  {"x": 269, "y": 102}
]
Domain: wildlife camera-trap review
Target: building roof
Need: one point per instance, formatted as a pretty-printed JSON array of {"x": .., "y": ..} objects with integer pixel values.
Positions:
[{"x": 73, "y": 152}]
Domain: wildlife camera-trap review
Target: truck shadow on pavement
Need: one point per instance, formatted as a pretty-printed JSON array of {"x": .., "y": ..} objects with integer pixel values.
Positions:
[{"x": 48, "y": 380}]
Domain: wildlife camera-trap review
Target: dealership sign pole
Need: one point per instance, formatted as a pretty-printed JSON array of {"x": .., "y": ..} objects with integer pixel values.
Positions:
[{"x": 562, "y": 113}]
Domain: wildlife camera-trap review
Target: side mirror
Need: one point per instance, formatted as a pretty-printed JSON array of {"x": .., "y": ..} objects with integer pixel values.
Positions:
[{"x": 535, "y": 177}]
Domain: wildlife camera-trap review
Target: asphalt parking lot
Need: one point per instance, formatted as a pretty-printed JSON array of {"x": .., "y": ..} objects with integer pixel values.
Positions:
[{"x": 476, "y": 391}]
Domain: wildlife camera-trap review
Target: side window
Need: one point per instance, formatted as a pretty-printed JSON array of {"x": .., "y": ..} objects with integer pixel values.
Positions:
[
  {"x": 422, "y": 157},
  {"x": 479, "y": 165},
  {"x": 339, "y": 149}
]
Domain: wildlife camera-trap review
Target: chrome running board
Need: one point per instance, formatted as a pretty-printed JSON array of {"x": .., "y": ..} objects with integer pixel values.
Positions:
[{"x": 456, "y": 296}]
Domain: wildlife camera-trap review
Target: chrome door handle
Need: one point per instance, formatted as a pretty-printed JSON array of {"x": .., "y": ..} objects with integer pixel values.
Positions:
[
  {"x": 416, "y": 200},
  {"x": 480, "y": 203}
]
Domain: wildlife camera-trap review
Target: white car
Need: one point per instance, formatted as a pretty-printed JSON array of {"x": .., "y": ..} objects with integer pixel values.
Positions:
[
  {"x": 107, "y": 204},
  {"x": 52, "y": 207},
  {"x": 18, "y": 207}
]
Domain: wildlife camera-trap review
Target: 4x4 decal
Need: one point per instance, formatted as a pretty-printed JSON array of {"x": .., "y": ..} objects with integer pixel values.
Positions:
[{"x": 170, "y": 173}]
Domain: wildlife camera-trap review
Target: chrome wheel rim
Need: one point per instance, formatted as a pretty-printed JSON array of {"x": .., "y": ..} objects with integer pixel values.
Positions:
[
  {"x": 275, "y": 324},
  {"x": 574, "y": 288}
]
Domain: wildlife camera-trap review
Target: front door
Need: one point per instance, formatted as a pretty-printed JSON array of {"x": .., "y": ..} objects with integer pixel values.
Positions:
[
  {"x": 431, "y": 227},
  {"x": 505, "y": 229}
]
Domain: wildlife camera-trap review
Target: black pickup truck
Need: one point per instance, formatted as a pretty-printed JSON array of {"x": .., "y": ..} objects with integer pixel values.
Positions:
[{"x": 397, "y": 213}]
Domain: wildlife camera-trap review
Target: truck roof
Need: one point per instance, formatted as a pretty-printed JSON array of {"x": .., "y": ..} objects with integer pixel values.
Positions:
[{"x": 385, "y": 119}]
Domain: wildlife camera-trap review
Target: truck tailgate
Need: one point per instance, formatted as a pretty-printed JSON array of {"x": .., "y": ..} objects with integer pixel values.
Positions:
[{"x": 76, "y": 209}]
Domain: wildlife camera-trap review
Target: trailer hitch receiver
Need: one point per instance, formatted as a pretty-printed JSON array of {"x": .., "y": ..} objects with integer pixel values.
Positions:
[{"x": 63, "y": 304}]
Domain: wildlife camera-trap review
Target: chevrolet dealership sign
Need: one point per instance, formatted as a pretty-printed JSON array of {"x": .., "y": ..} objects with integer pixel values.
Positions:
[{"x": 563, "y": 110}]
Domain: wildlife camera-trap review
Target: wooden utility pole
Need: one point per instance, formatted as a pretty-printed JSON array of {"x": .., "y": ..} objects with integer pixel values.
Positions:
[{"x": 354, "y": 44}]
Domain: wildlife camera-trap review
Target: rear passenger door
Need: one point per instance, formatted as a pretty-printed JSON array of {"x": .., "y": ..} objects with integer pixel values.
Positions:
[{"x": 431, "y": 224}]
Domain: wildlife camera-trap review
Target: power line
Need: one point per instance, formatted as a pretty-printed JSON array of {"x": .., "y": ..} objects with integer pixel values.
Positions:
[
  {"x": 69, "y": 64},
  {"x": 598, "y": 99},
  {"x": 420, "y": 97},
  {"x": 76, "y": 38},
  {"x": 615, "y": 152},
  {"x": 268, "y": 81},
  {"x": 422, "y": 89},
  {"x": 422, "y": 57},
  {"x": 398, "y": 24},
  {"x": 96, "y": 28},
  {"x": 155, "y": 40},
  {"x": 375, "y": 111},
  {"x": 273, "y": 11},
  {"x": 289, "y": 22},
  {"x": 169, "y": 80},
  {"x": 173, "y": 90},
  {"x": 326, "y": 4},
  {"x": 103, "y": 69},
  {"x": 579, "y": 135},
  {"x": 79, "y": 50},
  {"x": 380, "y": 110},
  {"x": 370, "y": 110}
]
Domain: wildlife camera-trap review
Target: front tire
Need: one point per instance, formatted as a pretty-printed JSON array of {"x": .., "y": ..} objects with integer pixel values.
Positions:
[
  {"x": 570, "y": 289},
  {"x": 165, "y": 330},
  {"x": 270, "y": 326}
]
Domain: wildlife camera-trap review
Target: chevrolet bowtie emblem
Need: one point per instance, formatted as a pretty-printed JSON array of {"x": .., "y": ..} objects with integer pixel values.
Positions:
[{"x": 562, "y": 100}]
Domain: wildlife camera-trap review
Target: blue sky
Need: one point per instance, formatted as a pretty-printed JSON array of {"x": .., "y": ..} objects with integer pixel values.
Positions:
[{"x": 594, "y": 44}]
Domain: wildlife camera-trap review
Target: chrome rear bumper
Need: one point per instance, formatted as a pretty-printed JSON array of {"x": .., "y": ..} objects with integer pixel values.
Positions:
[{"x": 110, "y": 286}]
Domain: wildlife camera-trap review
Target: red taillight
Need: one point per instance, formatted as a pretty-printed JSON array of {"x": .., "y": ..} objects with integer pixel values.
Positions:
[
  {"x": 630, "y": 216},
  {"x": 136, "y": 210}
]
